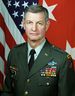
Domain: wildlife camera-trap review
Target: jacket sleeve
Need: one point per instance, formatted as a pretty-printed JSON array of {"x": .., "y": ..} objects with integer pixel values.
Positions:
[
  {"x": 7, "y": 89},
  {"x": 66, "y": 85}
]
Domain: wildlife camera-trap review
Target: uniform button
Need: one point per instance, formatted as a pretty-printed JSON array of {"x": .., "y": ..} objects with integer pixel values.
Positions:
[
  {"x": 28, "y": 80},
  {"x": 47, "y": 83},
  {"x": 26, "y": 92}
]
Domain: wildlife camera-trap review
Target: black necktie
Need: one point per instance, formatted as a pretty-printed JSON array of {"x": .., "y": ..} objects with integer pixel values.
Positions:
[{"x": 31, "y": 61}]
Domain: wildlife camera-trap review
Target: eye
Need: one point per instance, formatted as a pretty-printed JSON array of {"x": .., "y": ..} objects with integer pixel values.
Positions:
[
  {"x": 29, "y": 22},
  {"x": 40, "y": 23}
]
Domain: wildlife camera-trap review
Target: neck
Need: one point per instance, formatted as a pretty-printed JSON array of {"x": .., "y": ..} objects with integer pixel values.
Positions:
[{"x": 34, "y": 44}]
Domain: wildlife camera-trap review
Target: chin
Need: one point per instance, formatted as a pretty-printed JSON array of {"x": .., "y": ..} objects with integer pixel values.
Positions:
[{"x": 34, "y": 39}]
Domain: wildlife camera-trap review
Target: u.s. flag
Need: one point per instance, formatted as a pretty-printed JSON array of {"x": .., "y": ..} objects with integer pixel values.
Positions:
[
  {"x": 11, "y": 29},
  {"x": 61, "y": 31}
]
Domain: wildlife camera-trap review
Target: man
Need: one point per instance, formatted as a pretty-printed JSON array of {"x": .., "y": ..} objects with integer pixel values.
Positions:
[{"x": 51, "y": 74}]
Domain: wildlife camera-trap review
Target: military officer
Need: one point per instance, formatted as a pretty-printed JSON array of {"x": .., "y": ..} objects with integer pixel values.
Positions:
[{"x": 52, "y": 71}]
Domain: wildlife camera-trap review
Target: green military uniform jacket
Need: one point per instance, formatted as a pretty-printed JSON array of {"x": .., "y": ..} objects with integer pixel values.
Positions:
[{"x": 51, "y": 75}]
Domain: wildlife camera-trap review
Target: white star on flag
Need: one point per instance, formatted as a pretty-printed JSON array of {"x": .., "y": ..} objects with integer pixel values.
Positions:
[
  {"x": 21, "y": 25},
  {"x": 9, "y": 3},
  {"x": 25, "y": 4},
  {"x": 70, "y": 50},
  {"x": 34, "y": 3},
  {"x": 50, "y": 9},
  {"x": 15, "y": 14},
  {"x": 22, "y": 14},
  {"x": 16, "y": 4}
]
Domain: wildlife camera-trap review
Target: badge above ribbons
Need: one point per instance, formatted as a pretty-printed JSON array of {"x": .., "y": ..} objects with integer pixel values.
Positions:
[{"x": 49, "y": 70}]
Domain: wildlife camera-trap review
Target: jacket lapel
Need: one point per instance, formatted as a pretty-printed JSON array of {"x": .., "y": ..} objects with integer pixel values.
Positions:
[
  {"x": 42, "y": 60},
  {"x": 24, "y": 60}
]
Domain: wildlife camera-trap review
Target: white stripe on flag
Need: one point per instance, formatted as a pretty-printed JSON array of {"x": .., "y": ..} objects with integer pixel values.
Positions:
[
  {"x": 2, "y": 37},
  {"x": 11, "y": 25},
  {"x": 7, "y": 49},
  {"x": 3, "y": 42},
  {"x": 2, "y": 65}
]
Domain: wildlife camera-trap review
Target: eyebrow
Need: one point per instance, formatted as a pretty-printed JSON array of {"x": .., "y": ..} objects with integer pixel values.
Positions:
[{"x": 37, "y": 21}]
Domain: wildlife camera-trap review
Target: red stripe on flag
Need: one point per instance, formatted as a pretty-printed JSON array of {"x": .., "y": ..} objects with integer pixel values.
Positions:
[
  {"x": 40, "y": 2},
  {"x": 1, "y": 80},
  {"x": 2, "y": 54},
  {"x": 8, "y": 36}
]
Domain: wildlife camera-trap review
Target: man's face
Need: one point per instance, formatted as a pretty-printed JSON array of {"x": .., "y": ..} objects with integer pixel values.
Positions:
[{"x": 35, "y": 26}]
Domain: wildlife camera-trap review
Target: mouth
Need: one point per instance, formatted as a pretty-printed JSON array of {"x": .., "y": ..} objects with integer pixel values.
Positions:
[{"x": 33, "y": 34}]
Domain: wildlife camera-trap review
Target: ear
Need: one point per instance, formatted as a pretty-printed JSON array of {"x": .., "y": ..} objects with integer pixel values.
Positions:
[
  {"x": 47, "y": 24},
  {"x": 23, "y": 23}
]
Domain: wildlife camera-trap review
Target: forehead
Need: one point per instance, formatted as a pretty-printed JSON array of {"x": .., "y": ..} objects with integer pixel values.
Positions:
[{"x": 35, "y": 16}]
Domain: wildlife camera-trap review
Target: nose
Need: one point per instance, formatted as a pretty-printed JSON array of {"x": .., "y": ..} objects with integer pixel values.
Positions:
[{"x": 34, "y": 27}]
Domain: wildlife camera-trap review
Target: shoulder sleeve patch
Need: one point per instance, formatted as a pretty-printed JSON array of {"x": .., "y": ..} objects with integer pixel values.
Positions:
[{"x": 69, "y": 56}]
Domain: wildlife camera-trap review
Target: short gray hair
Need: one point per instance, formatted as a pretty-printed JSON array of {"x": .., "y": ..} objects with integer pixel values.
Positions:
[{"x": 36, "y": 9}]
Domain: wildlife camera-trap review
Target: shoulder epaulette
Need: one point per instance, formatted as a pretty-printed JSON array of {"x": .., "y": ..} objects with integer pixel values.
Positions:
[
  {"x": 19, "y": 45},
  {"x": 59, "y": 49}
]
